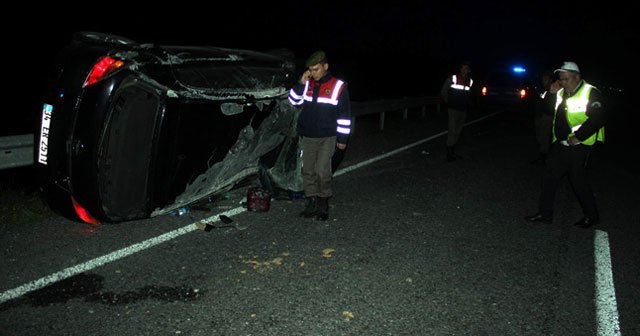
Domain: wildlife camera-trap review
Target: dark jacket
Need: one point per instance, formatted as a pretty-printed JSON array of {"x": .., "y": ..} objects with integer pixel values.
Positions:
[
  {"x": 458, "y": 97},
  {"x": 318, "y": 119},
  {"x": 543, "y": 101}
]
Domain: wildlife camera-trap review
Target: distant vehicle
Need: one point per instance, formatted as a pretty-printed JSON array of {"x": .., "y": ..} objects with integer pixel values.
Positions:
[
  {"x": 132, "y": 131},
  {"x": 506, "y": 87}
]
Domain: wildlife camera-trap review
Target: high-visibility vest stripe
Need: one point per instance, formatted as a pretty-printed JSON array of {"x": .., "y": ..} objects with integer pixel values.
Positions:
[
  {"x": 343, "y": 130},
  {"x": 322, "y": 99},
  {"x": 456, "y": 86},
  {"x": 576, "y": 112}
]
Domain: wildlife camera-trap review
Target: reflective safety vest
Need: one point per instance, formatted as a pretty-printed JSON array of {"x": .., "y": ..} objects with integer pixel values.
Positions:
[
  {"x": 576, "y": 112},
  {"x": 329, "y": 92},
  {"x": 459, "y": 92},
  {"x": 327, "y": 104},
  {"x": 460, "y": 86}
]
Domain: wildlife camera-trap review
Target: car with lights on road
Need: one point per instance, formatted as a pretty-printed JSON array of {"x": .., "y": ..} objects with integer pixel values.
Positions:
[{"x": 509, "y": 87}]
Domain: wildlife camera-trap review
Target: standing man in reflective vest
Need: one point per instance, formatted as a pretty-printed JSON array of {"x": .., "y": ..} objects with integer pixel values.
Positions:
[
  {"x": 456, "y": 92},
  {"x": 324, "y": 125},
  {"x": 578, "y": 124}
]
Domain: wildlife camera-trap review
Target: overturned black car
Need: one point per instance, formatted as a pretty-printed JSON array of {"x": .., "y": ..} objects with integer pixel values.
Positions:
[{"x": 132, "y": 131}]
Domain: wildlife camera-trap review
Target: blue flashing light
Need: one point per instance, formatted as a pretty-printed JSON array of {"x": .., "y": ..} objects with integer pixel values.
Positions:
[{"x": 519, "y": 69}]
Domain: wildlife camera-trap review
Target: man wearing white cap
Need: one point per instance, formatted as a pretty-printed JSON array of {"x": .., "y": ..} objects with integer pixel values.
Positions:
[{"x": 578, "y": 124}]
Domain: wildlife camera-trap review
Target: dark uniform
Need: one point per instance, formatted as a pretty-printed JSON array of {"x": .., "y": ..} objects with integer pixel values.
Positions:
[
  {"x": 325, "y": 120},
  {"x": 543, "y": 122},
  {"x": 579, "y": 115},
  {"x": 456, "y": 92}
]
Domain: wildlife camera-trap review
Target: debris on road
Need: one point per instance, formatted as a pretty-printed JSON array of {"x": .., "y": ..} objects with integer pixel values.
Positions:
[
  {"x": 328, "y": 253},
  {"x": 348, "y": 316},
  {"x": 258, "y": 199},
  {"x": 224, "y": 219},
  {"x": 204, "y": 226}
]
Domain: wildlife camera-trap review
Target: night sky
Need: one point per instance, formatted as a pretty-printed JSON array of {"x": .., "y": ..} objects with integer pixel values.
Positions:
[{"x": 382, "y": 50}]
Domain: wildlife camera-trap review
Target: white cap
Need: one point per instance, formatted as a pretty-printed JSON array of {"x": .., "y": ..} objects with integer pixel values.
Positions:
[{"x": 568, "y": 66}]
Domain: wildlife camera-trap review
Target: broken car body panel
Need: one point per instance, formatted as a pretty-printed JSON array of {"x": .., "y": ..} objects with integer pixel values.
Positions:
[{"x": 161, "y": 127}]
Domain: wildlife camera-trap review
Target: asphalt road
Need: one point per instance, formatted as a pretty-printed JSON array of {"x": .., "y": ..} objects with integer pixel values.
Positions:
[{"x": 414, "y": 245}]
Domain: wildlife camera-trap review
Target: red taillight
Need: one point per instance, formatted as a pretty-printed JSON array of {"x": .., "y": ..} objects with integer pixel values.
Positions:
[
  {"x": 484, "y": 90},
  {"x": 523, "y": 93},
  {"x": 104, "y": 67},
  {"x": 83, "y": 213}
]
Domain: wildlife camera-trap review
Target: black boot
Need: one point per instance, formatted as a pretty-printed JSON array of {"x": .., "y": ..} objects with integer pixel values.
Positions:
[
  {"x": 310, "y": 207},
  {"x": 451, "y": 156},
  {"x": 322, "y": 214}
]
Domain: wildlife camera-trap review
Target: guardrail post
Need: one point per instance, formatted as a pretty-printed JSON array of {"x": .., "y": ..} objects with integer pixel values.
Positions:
[
  {"x": 405, "y": 113},
  {"x": 381, "y": 121}
]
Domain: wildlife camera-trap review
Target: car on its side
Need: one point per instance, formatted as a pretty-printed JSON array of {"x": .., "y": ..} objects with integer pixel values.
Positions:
[
  {"x": 131, "y": 131},
  {"x": 506, "y": 87}
]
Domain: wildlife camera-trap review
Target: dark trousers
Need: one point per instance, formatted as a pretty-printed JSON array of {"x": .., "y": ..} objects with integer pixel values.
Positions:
[
  {"x": 456, "y": 121},
  {"x": 569, "y": 160},
  {"x": 316, "y": 165},
  {"x": 543, "y": 125}
]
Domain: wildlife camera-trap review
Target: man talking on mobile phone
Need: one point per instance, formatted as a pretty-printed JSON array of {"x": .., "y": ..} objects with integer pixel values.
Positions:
[
  {"x": 578, "y": 124},
  {"x": 324, "y": 125}
]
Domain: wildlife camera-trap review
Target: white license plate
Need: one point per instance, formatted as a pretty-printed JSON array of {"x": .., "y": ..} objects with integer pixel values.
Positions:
[{"x": 43, "y": 147}]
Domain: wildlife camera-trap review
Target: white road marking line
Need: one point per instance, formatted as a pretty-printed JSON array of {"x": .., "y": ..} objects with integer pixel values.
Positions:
[
  {"x": 383, "y": 156},
  {"x": 605, "y": 297},
  {"x": 396, "y": 151},
  {"x": 113, "y": 256}
]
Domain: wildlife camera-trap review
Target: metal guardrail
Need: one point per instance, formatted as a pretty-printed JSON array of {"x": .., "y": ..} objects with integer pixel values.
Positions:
[
  {"x": 390, "y": 105},
  {"x": 17, "y": 150}
]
